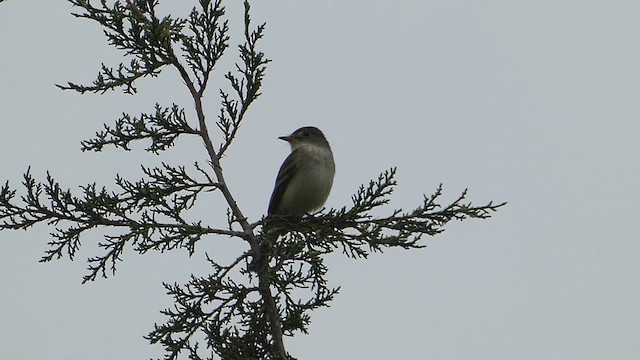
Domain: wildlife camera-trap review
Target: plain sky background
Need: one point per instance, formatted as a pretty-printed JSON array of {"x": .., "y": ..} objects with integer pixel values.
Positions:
[{"x": 530, "y": 102}]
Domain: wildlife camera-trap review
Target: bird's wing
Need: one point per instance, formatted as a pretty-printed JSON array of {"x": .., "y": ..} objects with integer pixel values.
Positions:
[{"x": 282, "y": 181}]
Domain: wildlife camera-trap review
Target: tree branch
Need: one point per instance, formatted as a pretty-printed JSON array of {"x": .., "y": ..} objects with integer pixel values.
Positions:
[{"x": 244, "y": 307}]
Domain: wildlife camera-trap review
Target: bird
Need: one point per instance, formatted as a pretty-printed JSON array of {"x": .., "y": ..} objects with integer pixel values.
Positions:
[
  {"x": 303, "y": 185},
  {"x": 305, "y": 178}
]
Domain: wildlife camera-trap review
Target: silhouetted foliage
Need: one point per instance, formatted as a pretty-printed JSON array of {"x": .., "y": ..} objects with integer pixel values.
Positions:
[{"x": 243, "y": 313}]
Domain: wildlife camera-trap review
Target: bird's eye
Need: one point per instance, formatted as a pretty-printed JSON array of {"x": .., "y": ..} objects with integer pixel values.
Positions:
[{"x": 306, "y": 134}]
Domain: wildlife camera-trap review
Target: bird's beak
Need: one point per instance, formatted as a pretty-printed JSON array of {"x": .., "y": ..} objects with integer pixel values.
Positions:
[{"x": 285, "y": 138}]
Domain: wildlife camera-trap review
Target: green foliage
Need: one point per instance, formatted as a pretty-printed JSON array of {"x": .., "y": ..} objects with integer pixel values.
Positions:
[
  {"x": 161, "y": 127},
  {"x": 241, "y": 311}
]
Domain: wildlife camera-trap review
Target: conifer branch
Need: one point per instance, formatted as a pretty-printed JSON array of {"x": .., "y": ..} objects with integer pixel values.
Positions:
[{"x": 243, "y": 312}]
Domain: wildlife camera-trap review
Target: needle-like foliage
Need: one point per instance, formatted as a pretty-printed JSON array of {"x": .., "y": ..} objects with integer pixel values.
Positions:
[{"x": 247, "y": 304}]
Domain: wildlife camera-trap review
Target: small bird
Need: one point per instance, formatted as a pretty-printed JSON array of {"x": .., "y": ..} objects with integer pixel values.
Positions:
[{"x": 306, "y": 176}]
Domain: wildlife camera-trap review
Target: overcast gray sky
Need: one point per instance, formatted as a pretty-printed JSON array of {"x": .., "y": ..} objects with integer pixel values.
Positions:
[{"x": 530, "y": 102}]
